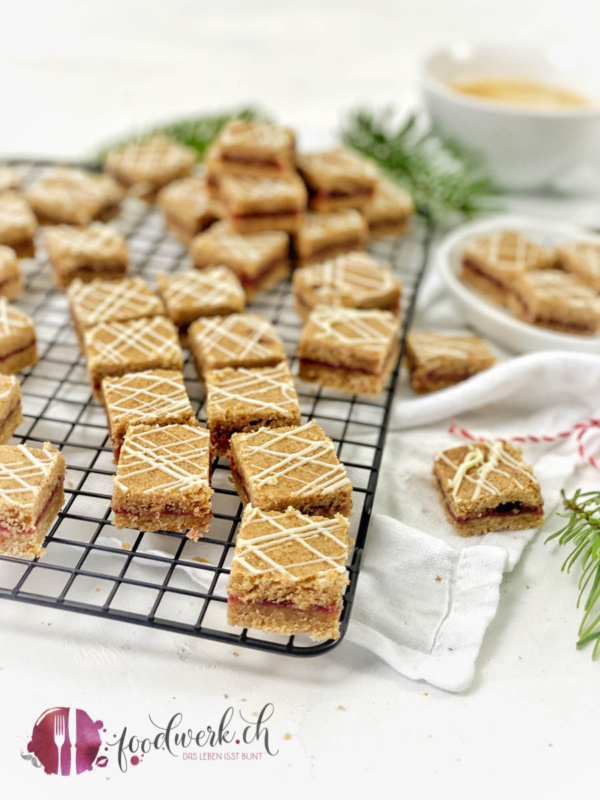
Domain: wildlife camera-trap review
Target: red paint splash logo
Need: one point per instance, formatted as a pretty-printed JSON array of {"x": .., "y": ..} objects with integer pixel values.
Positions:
[{"x": 66, "y": 741}]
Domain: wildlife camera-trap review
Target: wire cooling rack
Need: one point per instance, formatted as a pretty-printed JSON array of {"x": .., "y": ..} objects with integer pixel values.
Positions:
[{"x": 164, "y": 580}]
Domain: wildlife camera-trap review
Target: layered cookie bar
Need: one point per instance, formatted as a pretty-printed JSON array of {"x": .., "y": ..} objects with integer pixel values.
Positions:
[
  {"x": 11, "y": 280},
  {"x": 435, "y": 360},
  {"x": 17, "y": 224},
  {"x": 241, "y": 399},
  {"x": 488, "y": 487},
  {"x": 324, "y": 236},
  {"x": 155, "y": 397},
  {"x": 188, "y": 207},
  {"x": 337, "y": 179},
  {"x": 259, "y": 260},
  {"x": 491, "y": 263},
  {"x": 146, "y": 166},
  {"x": 581, "y": 259},
  {"x": 73, "y": 196},
  {"x": 258, "y": 149},
  {"x": 31, "y": 495},
  {"x": 288, "y": 573},
  {"x": 110, "y": 301},
  {"x": 354, "y": 350},
  {"x": 354, "y": 280},
  {"x": 10, "y": 178},
  {"x": 556, "y": 300},
  {"x": 239, "y": 340},
  {"x": 163, "y": 481},
  {"x": 274, "y": 469},
  {"x": 18, "y": 348},
  {"x": 390, "y": 210},
  {"x": 211, "y": 292},
  {"x": 96, "y": 251},
  {"x": 11, "y": 412},
  {"x": 116, "y": 348},
  {"x": 263, "y": 204}
]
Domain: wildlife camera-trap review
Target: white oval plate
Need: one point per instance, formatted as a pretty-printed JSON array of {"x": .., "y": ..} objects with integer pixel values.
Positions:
[{"x": 493, "y": 320}]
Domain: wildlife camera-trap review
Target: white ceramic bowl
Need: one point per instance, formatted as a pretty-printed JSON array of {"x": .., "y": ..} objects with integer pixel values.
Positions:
[
  {"x": 526, "y": 148},
  {"x": 492, "y": 320}
]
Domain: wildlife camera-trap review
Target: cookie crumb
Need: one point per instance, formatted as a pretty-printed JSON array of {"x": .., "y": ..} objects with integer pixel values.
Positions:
[
  {"x": 287, "y": 736},
  {"x": 341, "y": 708},
  {"x": 438, "y": 578}
]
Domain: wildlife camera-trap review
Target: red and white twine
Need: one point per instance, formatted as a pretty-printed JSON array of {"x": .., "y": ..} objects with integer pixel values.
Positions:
[{"x": 578, "y": 431}]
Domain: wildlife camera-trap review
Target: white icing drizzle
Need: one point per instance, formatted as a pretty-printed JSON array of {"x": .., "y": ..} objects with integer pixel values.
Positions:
[
  {"x": 146, "y": 393},
  {"x": 387, "y": 201},
  {"x": 318, "y": 226},
  {"x": 251, "y": 188},
  {"x": 151, "y": 159},
  {"x": 480, "y": 462},
  {"x": 180, "y": 464},
  {"x": 315, "y": 457},
  {"x": 434, "y": 345},
  {"x": 8, "y": 383},
  {"x": 145, "y": 337},
  {"x": 264, "y": 389},
  {"x": 586, "y": 252},
  {"x": 307, "y": 532},
  {"x": 353, "y": 276},
  {"x": 508, "y": 250},
  {"x": 371, "y": 329},
  {"x": 220, "y": 242},
  {"x": 21, "y": 483},
  {"x": 16, "y": 213},
  {"x": 80, "y": 193},
  {"x": 237, "y": 334},
  {"x": 99, "y": 300},
  {"x": 562, "y": 288},
  {"x": 214, "y": 286},
  {"x": 239, "y": 134},
  {"x": 338, "y": 163},
  {"x": 190, "y": 195},
  {"x": 96, "y": 240},
  {"x": 12, "y": 320}
]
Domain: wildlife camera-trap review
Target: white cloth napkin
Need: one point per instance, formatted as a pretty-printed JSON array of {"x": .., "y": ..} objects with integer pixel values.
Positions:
[{"x": 426, "y": 595}]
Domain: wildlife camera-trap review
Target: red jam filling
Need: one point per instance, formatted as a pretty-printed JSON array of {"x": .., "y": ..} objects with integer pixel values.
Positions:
[
  {"x": 32, "y": 531},
  {"x": 19, "y": 350},
  {"x": 502, "y": 510},
  {"x": 334, "y": 609}
]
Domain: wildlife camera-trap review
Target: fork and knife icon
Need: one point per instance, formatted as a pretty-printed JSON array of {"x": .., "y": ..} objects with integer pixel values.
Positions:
[{"x": 66, "y": 724}]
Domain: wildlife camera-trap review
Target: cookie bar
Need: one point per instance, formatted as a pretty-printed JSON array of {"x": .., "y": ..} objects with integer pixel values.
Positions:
[
  {"x": 491, "y": 263},
  {"x": 155, "y": 397},
  {"x": 354, "y": 280},
  {"x": 201, "y": 293},
  {"x": 263, "y": 204},
  {"x": 337, "y": 179},
  {"x": 390, "y": 211},
  {"x": 557, "y": 300},
  {"x": 257, "y": 149},
  {"x": 146, "y": 166},
  {"x": 11, "y": 412},
  {"x": 31, "y": 495},
  {"x": 162, "y": 481},
  {"x": 188, "y": 207},
  {"x": 274, "y": 469},
  {"x": 259, "y": 260},
  {"x": 436, "y": 360},
  {"x": 11, "y": 280},
  {"x": 488, "y": 487},
  {"x": 241, "y": 399},
  {"x": 324, "y": 236},
  {"x": 17, "y": 224},
  {"x": 288, "y": 573},
  {"x": 239, "y": 340},
  {"x": 581, "y": 259},
  {"x": 354, "y": 350},
  {"x": 96, "y": 251},
  {"x": 10, "y": 178},
  {"x": 18, "y": 348},
  {"x": 73, "y": 196}
]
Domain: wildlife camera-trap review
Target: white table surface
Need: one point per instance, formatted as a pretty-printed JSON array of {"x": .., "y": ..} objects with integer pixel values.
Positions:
[{"x": 77, "y": 73}]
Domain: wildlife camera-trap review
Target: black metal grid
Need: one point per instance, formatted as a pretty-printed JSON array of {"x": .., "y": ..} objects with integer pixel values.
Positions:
[{"x": 164, "y": 580}]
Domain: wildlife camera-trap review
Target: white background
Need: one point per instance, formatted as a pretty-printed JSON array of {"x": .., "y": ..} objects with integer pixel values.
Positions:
[{"x": 75, "y": 73}]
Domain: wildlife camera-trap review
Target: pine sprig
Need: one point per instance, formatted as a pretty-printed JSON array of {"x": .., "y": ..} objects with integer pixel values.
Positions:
[
  {"x": 444, "y": 177},
  {"x": 582, "y": 531},
  {"x": 196, "y": 132}
]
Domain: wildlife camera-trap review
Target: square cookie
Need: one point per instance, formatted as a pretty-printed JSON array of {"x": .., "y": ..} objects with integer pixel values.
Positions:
[
  {"x": 297, "y": 467},
  {"x": 258, "y": 149},
  {"x": 337, "y": 179},
  {"x": 390, "y": 211},
  {"x": 436, "y": 360},
  {"x": 96, "y": 251},
  {"x": 11, "y": 280},
  {"x": 241, "y": 399},
  {"x": 581, "y": 259},
  {"x": 116, "y": 348},
  {"x": 239, "y": 340},
  {"x": 18, "y": 224},
  {"x": 146, "y": 166},
  {"x": 18, "y": 348},
  {"x": 324, "y": 236},
  {"x": 259, "y": 260},
  {"x": 211, "y": 292},
  {"x": 31, "y": 495},
  {"x": 488, "y": 487},
  {"x": 10, "y": 178},
  {"x": 163, "y": 480},
  {"x": 11, "y": 412},
  {"x": 155, "y": 397},
  {"x": 353, "y": 350},
  {"x": 73, "y": 196},
  {"x": 263, "y": 204},
  {"x": 354, "y": 280},
  {"x": 288, "y": 573},
  {"x": 188, "y": 207}
]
